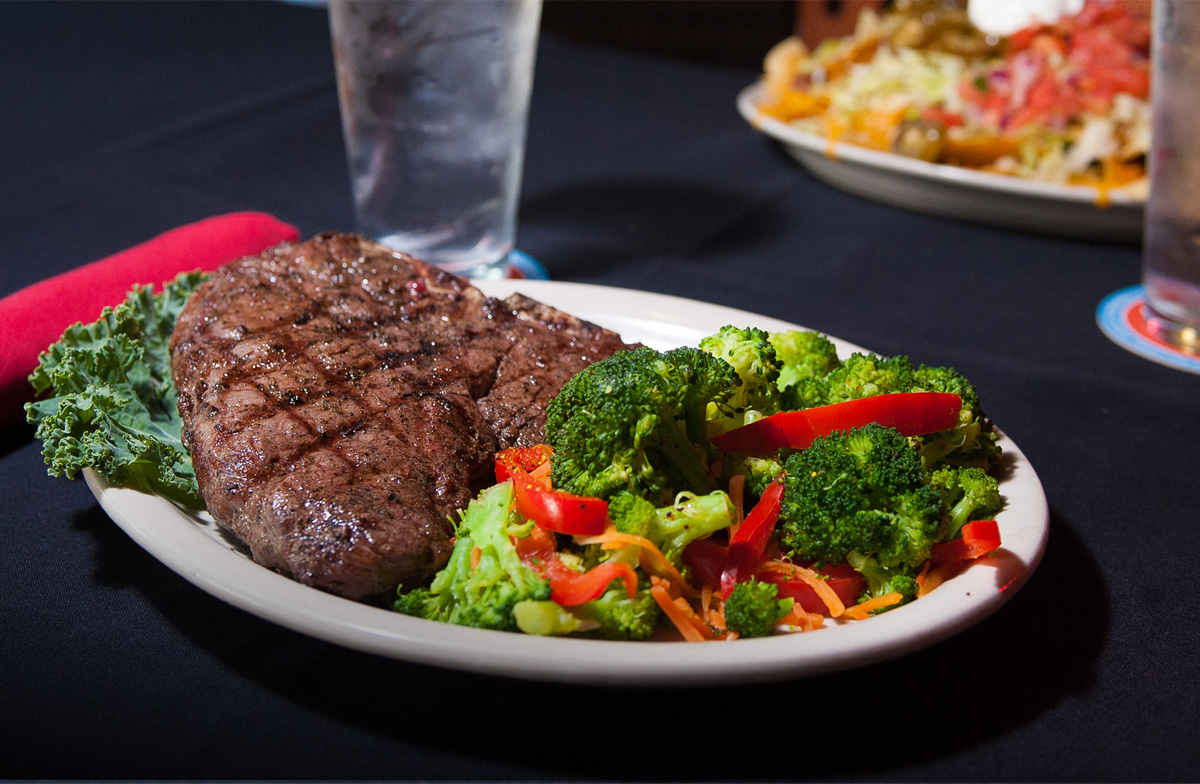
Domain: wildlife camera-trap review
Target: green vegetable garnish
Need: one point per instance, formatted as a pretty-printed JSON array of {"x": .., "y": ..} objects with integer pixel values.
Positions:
[{"x": 112, "y": 405}]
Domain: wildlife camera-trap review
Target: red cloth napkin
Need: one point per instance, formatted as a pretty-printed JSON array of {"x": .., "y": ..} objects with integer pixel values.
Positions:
[{"x": 34, "y": 317}]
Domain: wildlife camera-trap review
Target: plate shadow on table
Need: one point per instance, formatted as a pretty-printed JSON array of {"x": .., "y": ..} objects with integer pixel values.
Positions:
[
  {"x": 607, "y": 224},
  {"x": 1007, "y": 671}
]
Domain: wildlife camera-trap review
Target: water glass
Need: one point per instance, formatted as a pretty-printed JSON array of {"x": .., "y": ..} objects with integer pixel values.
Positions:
[
  {"x": 434, "y": 97},
  {"x": 1171, "y": 253}
]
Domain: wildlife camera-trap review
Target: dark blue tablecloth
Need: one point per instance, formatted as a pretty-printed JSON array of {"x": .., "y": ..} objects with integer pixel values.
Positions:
[{"x": 120, "y": 121}]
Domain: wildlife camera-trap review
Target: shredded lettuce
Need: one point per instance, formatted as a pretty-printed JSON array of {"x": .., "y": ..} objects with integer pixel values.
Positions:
[{"x": 112, "y": 404}]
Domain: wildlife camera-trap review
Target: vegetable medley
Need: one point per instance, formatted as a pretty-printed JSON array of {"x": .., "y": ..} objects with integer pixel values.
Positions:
[
  {"x": 1065, "y": 102},
  {"x": 753, "y": 485}
]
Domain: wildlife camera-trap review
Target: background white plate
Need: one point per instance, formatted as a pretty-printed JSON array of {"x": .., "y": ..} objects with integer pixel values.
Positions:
[
  {"x": 952, "y": 191},
  {"x": 194, "y": 547}
]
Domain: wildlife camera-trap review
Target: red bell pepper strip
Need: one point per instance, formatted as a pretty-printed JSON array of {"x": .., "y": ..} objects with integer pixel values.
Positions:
[
  {"x": 706, "y": 560},
  {"x": 912, "y": 413},
  {"x": 540, "y": 545},
  {"x": 521, "y": 459},
  {"x": 747, "y": 544},
  {"x": 555, "y": 510},
  {"x": 569, "y": 587},
  {"x": 978, "y": 539},
  {"x": 539, "y": 551},
  {"x": 551, "y": 509},
  {"x": 845, "y": 581}
]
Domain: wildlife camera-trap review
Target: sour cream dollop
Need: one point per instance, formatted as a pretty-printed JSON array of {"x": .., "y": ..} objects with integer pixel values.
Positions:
[{"x": 1004, "y": 17}]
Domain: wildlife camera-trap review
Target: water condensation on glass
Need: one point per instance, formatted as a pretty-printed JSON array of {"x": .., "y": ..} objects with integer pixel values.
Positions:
[
  {"x": 1171, "y": 266},
  {"x": 434, "y": 97}
]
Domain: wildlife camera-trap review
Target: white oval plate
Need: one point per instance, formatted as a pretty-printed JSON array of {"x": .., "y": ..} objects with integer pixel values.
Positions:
[
  {"x": 197, "y": 549},
  {"x": 952, "y": 191}
]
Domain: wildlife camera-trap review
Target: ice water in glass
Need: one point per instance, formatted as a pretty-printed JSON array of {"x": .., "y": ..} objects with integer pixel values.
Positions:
[
  {"x": 434, "y": 97},
  {"x": 1171, "y": 254}
]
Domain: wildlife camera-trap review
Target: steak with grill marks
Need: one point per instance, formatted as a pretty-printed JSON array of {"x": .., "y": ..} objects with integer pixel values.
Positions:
[{"x": 340, "y": 400}]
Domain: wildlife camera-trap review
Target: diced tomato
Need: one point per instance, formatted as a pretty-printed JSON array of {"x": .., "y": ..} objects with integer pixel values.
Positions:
[
  {"x": 941, "y": 116},
  {"x": 521, "y": 459}
]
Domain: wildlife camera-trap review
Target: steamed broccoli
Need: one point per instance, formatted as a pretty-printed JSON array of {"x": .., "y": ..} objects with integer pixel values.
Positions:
[
  {"x": 753, "y": 609},
  {"x": 882, "y": 580},
  {"x": 759, "y": 471},
  {"x": 968, "y": 493},
  {"x": 622, "y": 618},
  {"x": 862, "y": 490},
  {"x": 864, "y": 375},
  {"x": 483, "y": 595},
  {"x": 672, "y": 528},
  {"x": 973, "y": 442},
  {"x": 749, "y": 351},
  {"x": 803, "y": 355},
  {"x": 636, "y": 421}
]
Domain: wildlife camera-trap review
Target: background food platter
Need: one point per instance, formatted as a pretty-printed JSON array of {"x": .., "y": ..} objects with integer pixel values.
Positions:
[
  {"x": 953, "y": 191},
  {"x": 198, "y": 550}
]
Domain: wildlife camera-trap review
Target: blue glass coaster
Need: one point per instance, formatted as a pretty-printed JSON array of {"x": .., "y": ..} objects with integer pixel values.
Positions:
[
  {"x": 522, "y": 265},
  {"x": 1122, "y": 317}
]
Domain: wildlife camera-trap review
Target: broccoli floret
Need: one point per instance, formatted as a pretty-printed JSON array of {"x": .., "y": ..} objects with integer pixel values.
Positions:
[
  {"x": 673, "y": 527},
  {"x": 485, "y": 594},
  {"x": 758, "y": 471},
  {"x": 973, "y": 442},
  {"x": 547, "y": 618},
  {"x": 620, "y": 617},
  {"x": 613, "y": 616},
  {"x": 968, "y": 493},
  {"x": 881, "y": 580},
  {"x": 860, "y": 490},
  {"x": 753, "y": 609},
  {"x": 631, "y": 514},
  {"x": 864, "y": 375},
  {"x": 637, "y": 421},
  {"x": 803, "y": 355},
  {"x": 689, "y": 518},
  {"x": 749, "y": 351}
]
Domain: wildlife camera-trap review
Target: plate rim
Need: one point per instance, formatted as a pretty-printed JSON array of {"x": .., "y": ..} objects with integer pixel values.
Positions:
[
  {"x": 747, "y": 104},
  {"x": 189, "y": 548}
]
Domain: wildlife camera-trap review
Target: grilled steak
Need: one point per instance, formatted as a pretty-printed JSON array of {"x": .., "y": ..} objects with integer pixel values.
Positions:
[{"x": 340, "y": 400}]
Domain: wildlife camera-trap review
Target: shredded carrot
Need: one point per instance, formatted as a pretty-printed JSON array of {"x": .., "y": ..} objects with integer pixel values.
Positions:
[
  {"x": 652, "y": 559},
  {"x": 476, "y": 554},
  {"x": 542, "y": 471},
  {"x": 706, "y": 594},
  {"x": 690, "y": 613},
  {"x": 737, "y": 486},
  {"x": 684, "y": 619},
  {"x": 802, "y": 620},
  {"x": 921, "y": 590},
  {"x": 863, "y": 610},
  {"x": 940, "y": 574},
  {"x": 715, "y": 614},
  {"x": 826, "y": 594}
]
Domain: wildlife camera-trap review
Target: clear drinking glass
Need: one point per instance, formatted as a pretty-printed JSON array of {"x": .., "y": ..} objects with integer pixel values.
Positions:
[
  {"x": 1171, "y": 255},
  {"x": 434, "y": 97}
]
